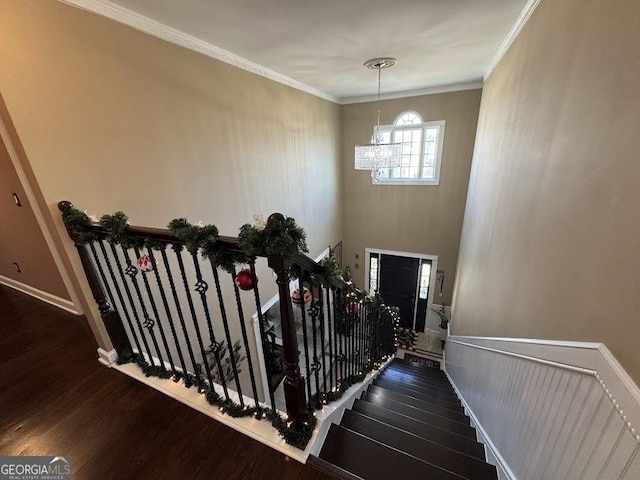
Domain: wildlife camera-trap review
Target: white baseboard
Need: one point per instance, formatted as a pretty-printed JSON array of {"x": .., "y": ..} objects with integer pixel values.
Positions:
[
  {"x": 49, "y": 298},
  {"x": 492, "y": 454},
  {"x": 107, "y": 358}
]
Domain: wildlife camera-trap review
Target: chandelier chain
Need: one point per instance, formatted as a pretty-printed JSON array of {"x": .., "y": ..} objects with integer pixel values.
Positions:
[{"x": 379, "y": 74}]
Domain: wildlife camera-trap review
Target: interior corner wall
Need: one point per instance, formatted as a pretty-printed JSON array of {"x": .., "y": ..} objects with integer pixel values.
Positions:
[
  {"x": 551, "y": 231},
  {"x": 115, "y": 119},
  {"x": 423, "y": 219}
]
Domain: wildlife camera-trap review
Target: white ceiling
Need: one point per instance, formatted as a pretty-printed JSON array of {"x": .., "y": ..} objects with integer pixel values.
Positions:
[{"x": 323, "y": 43}]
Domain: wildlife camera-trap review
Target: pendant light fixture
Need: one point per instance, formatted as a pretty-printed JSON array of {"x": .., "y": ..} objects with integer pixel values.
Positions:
[{"x": 378, "y": 155}]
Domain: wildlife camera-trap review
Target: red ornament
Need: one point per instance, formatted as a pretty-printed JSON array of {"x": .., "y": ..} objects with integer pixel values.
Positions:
[
  {"x": 296, "y": 298},
  {"x": 244, "y": 280},
  {"x": 145, "y": 264}
]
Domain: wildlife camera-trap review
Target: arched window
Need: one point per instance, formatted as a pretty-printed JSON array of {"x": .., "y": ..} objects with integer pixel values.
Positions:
[{"x": 421, "y": 150}]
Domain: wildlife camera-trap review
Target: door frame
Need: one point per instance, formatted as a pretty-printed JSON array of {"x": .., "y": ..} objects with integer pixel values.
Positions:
[{"x": 421, "y": 256}]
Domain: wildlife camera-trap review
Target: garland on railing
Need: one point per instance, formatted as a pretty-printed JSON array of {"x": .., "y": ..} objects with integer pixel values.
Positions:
[
  {"x": 205, "y": 238},
  {"x": 77, "y": 224},
  {"x": 278, "y": 236},
  {"x": 117, "y": 226},
  {"x": 329, "y": 273}
]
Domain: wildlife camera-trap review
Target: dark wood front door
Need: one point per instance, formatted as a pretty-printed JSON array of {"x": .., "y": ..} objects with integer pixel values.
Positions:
[{"x": 398, "y": 285}]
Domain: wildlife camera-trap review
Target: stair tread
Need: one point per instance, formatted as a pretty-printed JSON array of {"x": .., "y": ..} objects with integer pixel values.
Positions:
[
  {"x": 423, "y": 368},
  {"x": 450, "y": 402},
  {"x": 443, "y": 389},
  {"x": 420, "y": 404},
  {"x": 404, "y": 361},
  {"x": 420, "y": 376},
  {"x": 352, "y": 452},
  {"x": 452, "y": 440},
  {"x": 434, "y": 453},
  {"x": 416, "y": 377},
  {"x": 421, "y": 415},
  {"x": 421, "y": 372},
  {"x": 330, "y": 469}
]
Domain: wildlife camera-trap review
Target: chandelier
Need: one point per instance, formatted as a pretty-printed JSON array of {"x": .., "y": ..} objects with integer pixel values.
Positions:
[{"x": 377, "y": 155}]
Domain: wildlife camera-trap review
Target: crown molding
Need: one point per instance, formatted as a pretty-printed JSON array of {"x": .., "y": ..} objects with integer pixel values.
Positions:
[
  {"x": 521, "y": 21},
  {"x": 159, "y": 30},
  {"x": 457, "y": 87}
]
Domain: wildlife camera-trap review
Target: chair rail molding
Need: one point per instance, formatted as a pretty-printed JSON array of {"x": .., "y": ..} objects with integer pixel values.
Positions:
[{"x": 549, "y": 409}]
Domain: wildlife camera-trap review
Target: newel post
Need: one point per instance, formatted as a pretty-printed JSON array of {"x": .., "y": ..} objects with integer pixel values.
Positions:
[
  {"x": 110, "y": 317},
  {"x": 294, "y": 392}
]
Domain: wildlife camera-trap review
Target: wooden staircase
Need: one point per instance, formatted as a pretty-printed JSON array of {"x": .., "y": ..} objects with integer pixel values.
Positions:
[{"x": 408, "y": 424}]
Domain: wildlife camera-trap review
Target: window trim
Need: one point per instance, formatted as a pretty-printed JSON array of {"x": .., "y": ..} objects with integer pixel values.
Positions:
[{"x": 441, "y": 124}]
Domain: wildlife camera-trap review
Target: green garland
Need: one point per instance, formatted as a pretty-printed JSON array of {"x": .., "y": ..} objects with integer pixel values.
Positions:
[
  {"x": 117, "y": 227},
  {"x": 77, "y": 224},
  {"x": 194, "y": 236},
  {"x": 328, "y": 275},
  {"x": 280, "y": 236},
  {"x": 205, "y": 239}
]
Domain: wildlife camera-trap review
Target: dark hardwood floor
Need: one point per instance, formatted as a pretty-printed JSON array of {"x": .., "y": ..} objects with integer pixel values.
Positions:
[{"x": 56, "y": 399}]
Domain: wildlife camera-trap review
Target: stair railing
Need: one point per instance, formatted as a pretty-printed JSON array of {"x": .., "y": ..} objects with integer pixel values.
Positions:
[{"x": 156, "y": 304}]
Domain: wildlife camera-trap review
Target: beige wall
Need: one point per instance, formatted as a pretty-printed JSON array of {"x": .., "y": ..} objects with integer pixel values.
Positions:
[
  {"x": 111, "y": 118},
  {"x": 420, "y": 219},
  {"x": 551, "y": 239},
  {"x": 21, "y": 239}
]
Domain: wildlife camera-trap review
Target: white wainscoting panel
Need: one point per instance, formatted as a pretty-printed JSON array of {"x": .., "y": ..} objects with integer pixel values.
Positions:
[{"x": 549, "y": 410}]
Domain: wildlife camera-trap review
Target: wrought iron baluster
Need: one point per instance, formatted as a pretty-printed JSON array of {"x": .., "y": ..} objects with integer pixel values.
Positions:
[
  {"x": 148, "y": 323},
  {"x": 261, "y": 324},
  {"x": 131, "y": 303},
  {"x": 183, "y": 324},
  {"x": 339, "y": 323},
  {"x": 167, "y": 310},
  {"x": 304, "y": 334},
  {"x": 194, "y": 317},
  {"x": 119, "y": 294},
  {"x": 201, "y": 288},
  {"x": 227, "y": 333},
  {"x": 352, "y": 335},
  {"x": 322, "y": 338},
  {"x": 243, "y": 328},
  {"x": 330, "y": 337},
  {"x": 156, "y": 315},
  {"x": 314, "y": 311}
]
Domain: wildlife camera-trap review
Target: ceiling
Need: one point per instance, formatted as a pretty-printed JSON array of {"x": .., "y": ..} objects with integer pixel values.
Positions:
[{"x": 323, "y": 43}]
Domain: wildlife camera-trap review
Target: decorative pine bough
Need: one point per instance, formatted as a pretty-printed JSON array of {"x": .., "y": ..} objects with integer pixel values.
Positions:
[{"x": 277, "y": 236}]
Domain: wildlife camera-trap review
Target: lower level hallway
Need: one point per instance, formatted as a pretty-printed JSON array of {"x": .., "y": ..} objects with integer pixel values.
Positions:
[{"x": 56, "y": 399}]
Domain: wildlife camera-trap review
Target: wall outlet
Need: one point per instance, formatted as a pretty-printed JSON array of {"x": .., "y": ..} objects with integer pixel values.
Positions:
[{"x": 15, "y": 264}]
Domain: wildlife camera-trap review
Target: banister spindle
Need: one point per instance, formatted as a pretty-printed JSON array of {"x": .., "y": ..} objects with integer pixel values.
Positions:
[{"x": 110, "y": 317}]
